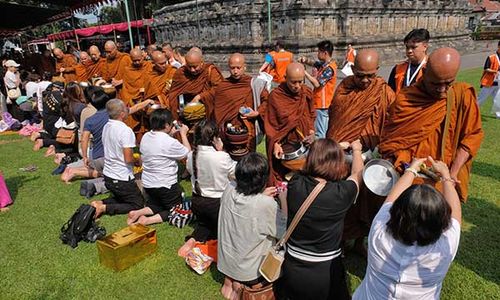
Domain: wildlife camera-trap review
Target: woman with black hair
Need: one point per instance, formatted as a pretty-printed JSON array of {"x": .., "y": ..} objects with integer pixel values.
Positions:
[
  {"x": 250, "y": 223},
  {"x": 413, "y": 239},
  {"x": 160, "y": 154},
  {"x": 211, "y": 168}
]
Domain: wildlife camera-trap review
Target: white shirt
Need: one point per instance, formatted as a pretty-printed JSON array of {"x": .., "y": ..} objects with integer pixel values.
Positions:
[
  {"x": 398, "y": 271},
  {"x": 42, "y": 85},
  {"x": 160, "y": 153},
  {"x": 11, "y": 80},
  {"x": 248, "y": 227},
  {"x": 116, "y": 136},
  {"x": 214, "y": 170},
  {"x": 32, "y": 88}
]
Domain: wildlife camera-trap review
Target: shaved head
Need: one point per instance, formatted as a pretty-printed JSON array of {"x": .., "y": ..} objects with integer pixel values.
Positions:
[
  {"x": 194, "y": 62},
  {"x": 84, "y": 58},
  {"x": 95, "y": 53},
  {"x": 159, "y": 61},
  {"x": 196, "y": 49},
  {"x": 58, "y": 53},
  {"x": 441, "y": 70},
  {"x": 237, "y": 65},
  {"x": 295, "y": 74},
  {"x": 136, "y": 57},
  {"x": 110, "y": 49},
  {"x": 365, "y": 68}
]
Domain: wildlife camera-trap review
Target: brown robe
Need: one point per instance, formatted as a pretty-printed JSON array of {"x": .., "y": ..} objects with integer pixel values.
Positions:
[
  {"x": 360, "y": 114},
  {"x": 184, "y": 83},
  {"x": 228, "y": 97},
  {"x": 285, "y": 113},
  {"x": 158, "y": 84},
  {"x": 68, "y": 62},
  {"x": 94, "y": 69},
  {"x": 415, "y": 128},
  {"x": 111, "y": 68}
]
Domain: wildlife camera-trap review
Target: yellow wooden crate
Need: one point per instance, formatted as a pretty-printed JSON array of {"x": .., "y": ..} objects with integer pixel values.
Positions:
[{"x": 127, "y": 246}]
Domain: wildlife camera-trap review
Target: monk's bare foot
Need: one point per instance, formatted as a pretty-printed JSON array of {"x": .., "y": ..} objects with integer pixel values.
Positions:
[
  {"x": 4, "y": 209},
  {"x": 235, "y": 292},
  {"x": 38, "y": 144},
  {"x": 183, "y": 251},
  {"x": 227, "y": 288},
  {"x": 100, "y": 208},
  {"x": 58, "y": 158},
  {"x": 360, "y": 248},
  {"x": 34, "y": 136},
  {"x": 50, "y": 151},
  {"x": 132, "y": 217},
  {"x": 67, "y": 175}
]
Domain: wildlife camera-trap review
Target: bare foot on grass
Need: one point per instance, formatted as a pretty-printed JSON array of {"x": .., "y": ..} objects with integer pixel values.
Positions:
[
  {"x": 38, "y": 145},
  {"x": 132, "y": 217},
  {"x": 50, "y": 151},
  {"x": 183, "y": 251}
]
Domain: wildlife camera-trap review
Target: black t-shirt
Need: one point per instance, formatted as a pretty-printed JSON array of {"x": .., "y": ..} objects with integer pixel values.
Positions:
[
  {"x": 320, "y": 229},
  {"x": 392, "y": 77}
]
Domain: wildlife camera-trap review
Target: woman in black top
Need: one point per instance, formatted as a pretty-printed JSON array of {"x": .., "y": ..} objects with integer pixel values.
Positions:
[{"x": 313, "y": 267}]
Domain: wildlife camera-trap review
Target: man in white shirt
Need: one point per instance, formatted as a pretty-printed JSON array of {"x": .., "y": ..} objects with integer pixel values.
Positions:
[
  {"x": 119, "y": 142},
  {"x": 160, "y": 153}
]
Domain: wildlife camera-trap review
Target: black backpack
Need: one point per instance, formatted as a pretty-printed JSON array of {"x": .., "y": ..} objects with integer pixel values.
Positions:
[{"x": 81, "y": 226}]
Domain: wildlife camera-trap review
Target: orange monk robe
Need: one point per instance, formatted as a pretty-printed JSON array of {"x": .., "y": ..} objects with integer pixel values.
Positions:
[
  {"x": 158, "y": 84},
  {"x": 360, "y": 114},
  {"x": 285, "y": 113},
  {"x": 415, "y": 128},
  {"x": 132, "y": 92},
  {"x": 94, "y": 69},
  {"x": 228, "y": 97},
  {"x": 84, "y": 72},
  {"x": 184, "y": 83},
  {"x": 111, "y": 68},
  {"x": 134, "y": 79},
  {"x": 68, "y": 62}
]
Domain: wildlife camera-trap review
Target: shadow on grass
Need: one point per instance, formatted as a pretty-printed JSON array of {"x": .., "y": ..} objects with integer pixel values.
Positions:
[
  {"x": 486, "y": 170},
  {"x": 479, "y": 243},
  {"x": 355, "y": 264},
  {"x": 16, "y": 182},
  {"x": 216, "y": 275}
]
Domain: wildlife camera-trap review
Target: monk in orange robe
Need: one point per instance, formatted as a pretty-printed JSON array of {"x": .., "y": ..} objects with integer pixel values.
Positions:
[
  {"x": 289, "y": 117},
  {"x": 191, "y": 80},
  {"x": 358, "y": 112},
  {"x": 133, "y": 87},
  {"x": 65, "y": 64},
  {"x": 115, "y": 62},
  {"x": 159, "y": 79},
  {"x": 81, "y": 68},
  {"x": 437, "y": 117},
  {"x": 94, "y": 68},
  {"x": 235, "y": 92}
]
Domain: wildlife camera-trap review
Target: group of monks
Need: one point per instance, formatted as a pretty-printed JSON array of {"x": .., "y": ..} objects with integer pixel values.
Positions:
[{"x": 431, "y": 115}]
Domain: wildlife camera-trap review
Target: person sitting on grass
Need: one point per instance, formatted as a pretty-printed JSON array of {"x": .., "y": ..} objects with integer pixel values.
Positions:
[
  {"x": 250, "y": 223},
  {"x": 119, "y": 141},
  {"x": 160, "y": 153},
  {"x": 413, "y": 239},
  {"x": 93, "y": 126},
  {"x": 211, "y": 168}
]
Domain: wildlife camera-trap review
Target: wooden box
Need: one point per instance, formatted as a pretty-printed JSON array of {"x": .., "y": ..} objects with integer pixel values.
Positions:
[{"x": 127, "y": 246}]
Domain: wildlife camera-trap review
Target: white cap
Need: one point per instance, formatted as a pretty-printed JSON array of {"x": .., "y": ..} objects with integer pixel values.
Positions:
[{"x": 11, "y": 63}]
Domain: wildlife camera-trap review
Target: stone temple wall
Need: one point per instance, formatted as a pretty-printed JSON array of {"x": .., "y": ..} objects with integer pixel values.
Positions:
[{"x": 241, "y": 25}]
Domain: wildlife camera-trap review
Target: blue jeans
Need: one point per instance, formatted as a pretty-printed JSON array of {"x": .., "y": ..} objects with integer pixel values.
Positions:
[{"x": 321, "y": 123}]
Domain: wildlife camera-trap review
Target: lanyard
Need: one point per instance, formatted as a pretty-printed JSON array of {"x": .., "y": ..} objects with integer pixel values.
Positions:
[{"x": 409, "y": 79}]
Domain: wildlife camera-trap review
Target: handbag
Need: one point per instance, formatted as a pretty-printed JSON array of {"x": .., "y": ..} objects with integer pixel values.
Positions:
[
  {"x": 270, "y": 267},
  {"x": 259, "y": 291},
  {"x": 66, "y": 136},
  {"x": 180, "y": 215}
]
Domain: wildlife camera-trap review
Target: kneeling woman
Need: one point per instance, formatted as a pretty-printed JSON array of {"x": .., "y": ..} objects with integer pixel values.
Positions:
[
  {"x": 211, "y": 168},
  {"x": 250, "y": 222},
  {"x": 313, "y": 267}
]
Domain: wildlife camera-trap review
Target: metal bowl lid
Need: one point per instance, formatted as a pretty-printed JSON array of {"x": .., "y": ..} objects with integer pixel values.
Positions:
[{"x": 296, "y": 154}]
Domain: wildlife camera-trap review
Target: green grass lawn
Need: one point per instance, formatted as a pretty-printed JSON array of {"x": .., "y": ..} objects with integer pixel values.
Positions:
[{"x": 34, "y": 264}]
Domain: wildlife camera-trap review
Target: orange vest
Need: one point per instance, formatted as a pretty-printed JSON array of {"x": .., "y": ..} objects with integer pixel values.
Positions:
[
  {"x": 323, "y": 95},
  {"x": 400, "y": 75},
  {"x": 488, "y": 78},
  {"x": 350, "y": 55},
  {"x": 281, "y": 60}
]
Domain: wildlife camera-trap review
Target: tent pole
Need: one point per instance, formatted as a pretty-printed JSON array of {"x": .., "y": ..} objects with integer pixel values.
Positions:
[
  {"x": 114, "y": 34},
  {"x": 127, "y": 12},
  {"x": 269, "y": 25},
  {"x": 74, "y": 29}
]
